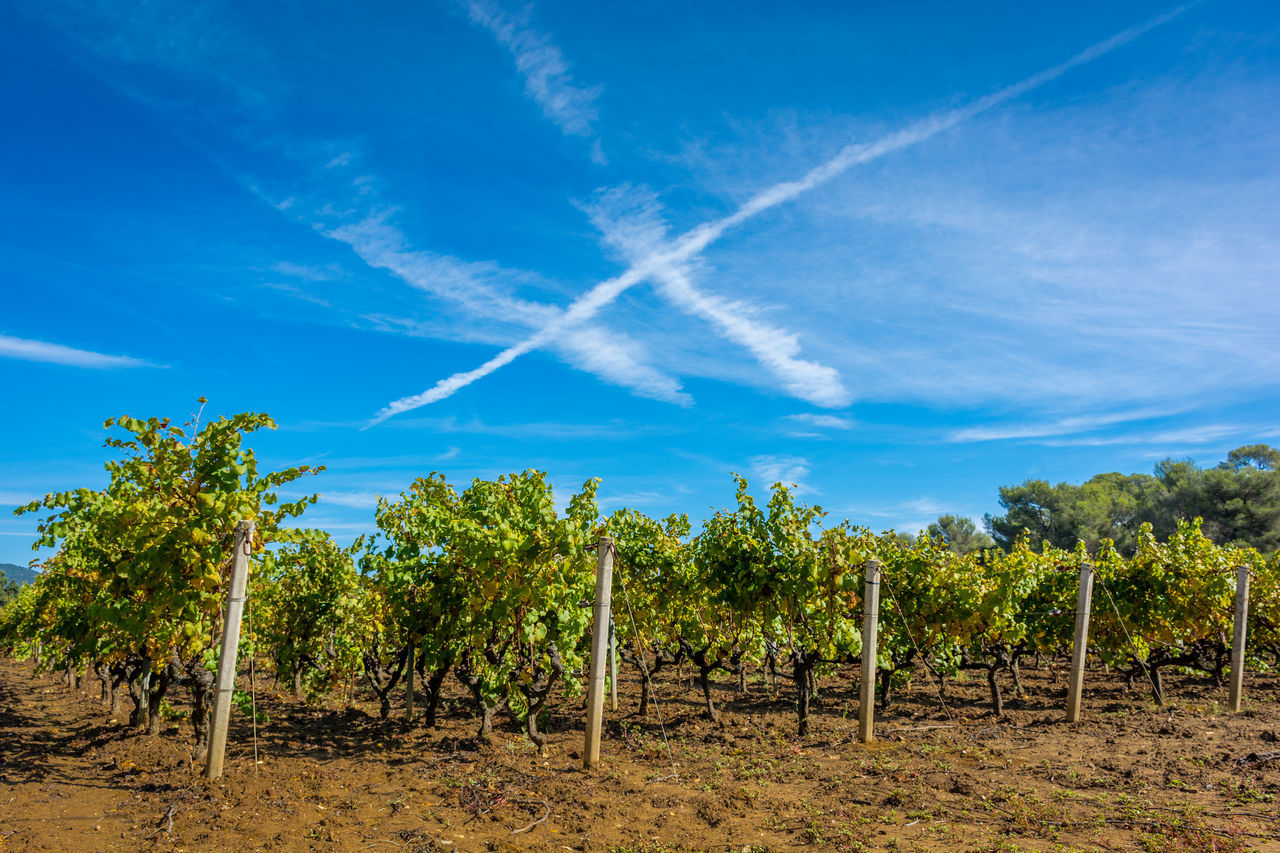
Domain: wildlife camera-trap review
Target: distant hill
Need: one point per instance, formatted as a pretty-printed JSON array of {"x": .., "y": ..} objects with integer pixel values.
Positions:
[{"x": 21, "y": 574}]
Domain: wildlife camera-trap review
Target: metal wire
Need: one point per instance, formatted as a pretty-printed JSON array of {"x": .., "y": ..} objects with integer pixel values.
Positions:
[
  {"x": 907, "y": 628},
  {"x": 1133, "y": 649},
  {"x": 253, "y": 686},
  {"x": 644, "y": 670}
]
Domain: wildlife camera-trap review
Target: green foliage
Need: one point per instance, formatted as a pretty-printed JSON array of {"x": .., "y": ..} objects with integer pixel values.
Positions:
[
  {"x": 1170, "y": 603},
  {"x": 521, "y": 571},
  {"x": 959, "y": 534},
  {"x": 8, "y": 589},
  {"x": 490, "y": 583},
  {"x": 138, "y": 580},
  {"x": 1264, "y": 620},
  {"x": 1238, "y": 502},
  {"x": 781, "y": 584},
  {"x": 144, "y": 559},
  {"x": 658, "y": 597},
  {"x": 306, "y": 599},
  {"x": 245, "y": 704},
  {"x": 928, "y": 602}
]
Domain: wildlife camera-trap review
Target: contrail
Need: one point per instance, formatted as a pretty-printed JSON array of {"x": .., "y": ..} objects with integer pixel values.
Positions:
[{"x": 694, "y": 241}]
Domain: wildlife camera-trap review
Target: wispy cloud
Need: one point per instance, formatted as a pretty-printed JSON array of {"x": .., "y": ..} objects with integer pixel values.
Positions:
[
  {"x": 547, "y": 79},
  {"x": 485, "y": 291},
  {"x": 619, "y": 360},
  {"x": 191, "y": 40},
  {"x": 788, "y": 470},
  {"x": 910, "y": 515},
  {"x": 478, "y": 287},
  {"x": 822, "y": 421},
  {"x": 196, "y": 42},
  {"x": 686, "y": 248},
  {"x": 50, "y": 353},
  {"x": 1064, "y": 426},
  {"x": 309, "y": 272},
  {"x": 1203, "y": 434},
  {"x": 356, "y": 500},
  {"x": 642, "y": 497},
  {"x": 630, "y": 221},
  {"x": 333, "y": 525},
  {"x": 550, "y": 430}
]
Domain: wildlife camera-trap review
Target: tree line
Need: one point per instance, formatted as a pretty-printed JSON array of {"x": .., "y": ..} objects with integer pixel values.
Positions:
[{"x": 1237, "y": 502}]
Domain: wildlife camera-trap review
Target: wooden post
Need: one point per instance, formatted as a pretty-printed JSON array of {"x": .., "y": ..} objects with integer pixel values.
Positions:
[
  {"x": 870, "y": 624},
  {"x": 408, "y": 684},
  {"x": 226, "y": 681},
  {"x": 1238, "y": 637},
  {"x": 1080, "y": 645},
  {"x": 601, "y": 613},
  {"x": 613, "y": 666}
]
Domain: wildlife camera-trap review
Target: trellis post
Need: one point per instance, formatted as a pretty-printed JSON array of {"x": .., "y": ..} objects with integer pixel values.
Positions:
[
  {"x": 870, "y": 624},
  {"x": 225, "y": 684},
  {"x": 601, "y": 613},
  {"x": 1238, "y": 637},
  {"x": 1080, "y": 644}
]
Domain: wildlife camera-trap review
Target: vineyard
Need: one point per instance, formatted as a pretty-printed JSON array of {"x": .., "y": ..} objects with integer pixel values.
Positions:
[{"x": 469, "y": 612}]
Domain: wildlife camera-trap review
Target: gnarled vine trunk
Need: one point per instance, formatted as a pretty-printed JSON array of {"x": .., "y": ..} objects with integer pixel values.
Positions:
[
  {"x": 705, "y": 668},
  {"x": 383, "y": 681},
  {"x": 536, "y": 689},
  {"x": 433, "y": 684},
  {"x": 200, "y": 682},
  {"x": 139, "y": 686},
  {"x": 802, "y": 666},
  {"x": 484, "y": 707}
]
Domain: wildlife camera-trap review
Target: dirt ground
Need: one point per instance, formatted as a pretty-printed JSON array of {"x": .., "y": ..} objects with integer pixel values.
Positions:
[{"x": 1130, "y": 777}]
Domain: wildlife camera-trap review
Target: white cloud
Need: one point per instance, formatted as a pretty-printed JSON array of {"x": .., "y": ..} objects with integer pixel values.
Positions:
[
  {"x": 1064, "y": 426},
  {"x": 540, "y": 429},
  {"x": 822, "y": 421},
  {"x": 1204, "y": 434},
  {"x": 910, "y": 515},
  {"x": 186, "y": 38},
  {"x": 617, "y": 359},
  {"x": 789, "y": 470},
  {"x": 641, "y": 497},
  {"x": 357, "y": 500},
  {"x": 309, "y": 272},
  {"x": 548, "y": 81},
  {"x": 192, "y": 40},
  {"x": 484, "y": 291},
  {"x": 49, "y": 353},
  {"x": 630, "y": 221},
  {"x": 333, "y": 525},
  {"x": 776, "y": 349},
  {"x": 818, "y": 383},
  {"x": 479, "y": 287}
]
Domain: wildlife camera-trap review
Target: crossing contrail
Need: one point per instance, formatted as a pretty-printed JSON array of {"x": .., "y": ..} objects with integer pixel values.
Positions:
[{"x": 694, "y": 241}]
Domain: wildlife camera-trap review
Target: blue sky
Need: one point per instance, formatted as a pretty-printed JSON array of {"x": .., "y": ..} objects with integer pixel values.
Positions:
[{"x": 897, "y": 254}]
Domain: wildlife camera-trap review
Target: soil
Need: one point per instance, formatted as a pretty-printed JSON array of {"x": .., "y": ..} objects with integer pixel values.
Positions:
[{"x": 1131, "y": 776}]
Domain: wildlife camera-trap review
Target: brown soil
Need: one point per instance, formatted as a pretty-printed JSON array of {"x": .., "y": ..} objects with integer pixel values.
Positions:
[{"x": 1131, "y": 777}]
